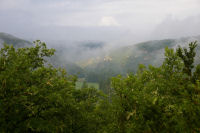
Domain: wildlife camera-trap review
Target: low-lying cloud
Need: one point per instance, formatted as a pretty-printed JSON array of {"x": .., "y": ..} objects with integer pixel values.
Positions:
[{"x": 134, "y": 20}]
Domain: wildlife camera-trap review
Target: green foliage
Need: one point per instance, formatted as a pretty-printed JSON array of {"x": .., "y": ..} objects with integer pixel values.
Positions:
[
  {"x": 33, "y": 97},
  {"x": 188, "y": 57},
  {"x": 158, "y": 99},
  {"x": 36, "y": 97}
]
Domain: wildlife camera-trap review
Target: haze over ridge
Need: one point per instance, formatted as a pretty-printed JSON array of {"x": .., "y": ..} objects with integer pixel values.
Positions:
[{"x": 114, "y": 21}]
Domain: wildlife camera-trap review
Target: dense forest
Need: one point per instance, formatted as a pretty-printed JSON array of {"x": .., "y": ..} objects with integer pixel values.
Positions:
[{"x": 35, "y": 96}]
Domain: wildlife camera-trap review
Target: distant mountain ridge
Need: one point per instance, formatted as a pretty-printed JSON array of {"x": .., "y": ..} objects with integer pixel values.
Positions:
[
  {"x": 88, "y": 60},
  {"x": 126, "y": 59},
  {"x": 16, "y": 42},
  {"x": 142, "y": 52}
]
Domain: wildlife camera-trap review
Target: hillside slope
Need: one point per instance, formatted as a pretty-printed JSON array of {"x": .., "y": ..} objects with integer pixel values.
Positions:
[
  {"x": 126, "y": 59},
  {"x": 10, "y": 39},
  {"x": 90, "y": 61}
]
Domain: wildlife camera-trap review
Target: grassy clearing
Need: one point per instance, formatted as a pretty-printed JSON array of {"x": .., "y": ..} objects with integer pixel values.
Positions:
[{"x": 79, "y": 84}]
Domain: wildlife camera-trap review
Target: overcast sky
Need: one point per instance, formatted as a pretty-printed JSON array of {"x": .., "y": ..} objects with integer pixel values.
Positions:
[{"x": 106, "y": 20}]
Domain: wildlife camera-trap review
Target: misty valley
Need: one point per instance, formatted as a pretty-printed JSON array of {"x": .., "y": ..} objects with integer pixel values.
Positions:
[
  {"x": 99, "y": 66},
  {"x": 95, "y": 62},
  {"x": 93, "y": 86}
]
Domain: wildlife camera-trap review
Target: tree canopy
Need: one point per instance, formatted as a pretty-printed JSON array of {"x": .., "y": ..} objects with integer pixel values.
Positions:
[{"x": 36, "y": 97}]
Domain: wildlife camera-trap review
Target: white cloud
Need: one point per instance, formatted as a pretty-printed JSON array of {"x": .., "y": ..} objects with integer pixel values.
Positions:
[
  {"x": 137, "y": 16},
  {"x": 108, "y": 21},
  {"x": 172, "y": 27},
  {"x": 13, "y": 4}
]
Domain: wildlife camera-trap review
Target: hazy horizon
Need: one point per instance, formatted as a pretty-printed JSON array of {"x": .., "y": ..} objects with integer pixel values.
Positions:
[{"x": 113, "y": 21}]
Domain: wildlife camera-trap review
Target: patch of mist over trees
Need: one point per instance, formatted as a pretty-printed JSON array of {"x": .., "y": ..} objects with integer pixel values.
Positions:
[
  {"x": 87, "y": 59},
  {"x": 126, "y": 59},
  {"x": 36, "y": 97},
  {"x": 97, "y": 61}
]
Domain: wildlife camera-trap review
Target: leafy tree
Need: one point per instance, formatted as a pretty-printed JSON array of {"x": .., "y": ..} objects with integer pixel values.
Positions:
[
  {"x": 188, "y": 57},
  {"x": 34, "y": 97},
  {"x": 158, "y": 99}
]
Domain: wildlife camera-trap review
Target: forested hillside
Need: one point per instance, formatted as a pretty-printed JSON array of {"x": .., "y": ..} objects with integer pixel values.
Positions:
[
  {"x": 95, "y": 62},
  {"x": 99, "y": 66},
  {"x": 126, "y": 59},
  {"x": 36, "y": 97}
]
